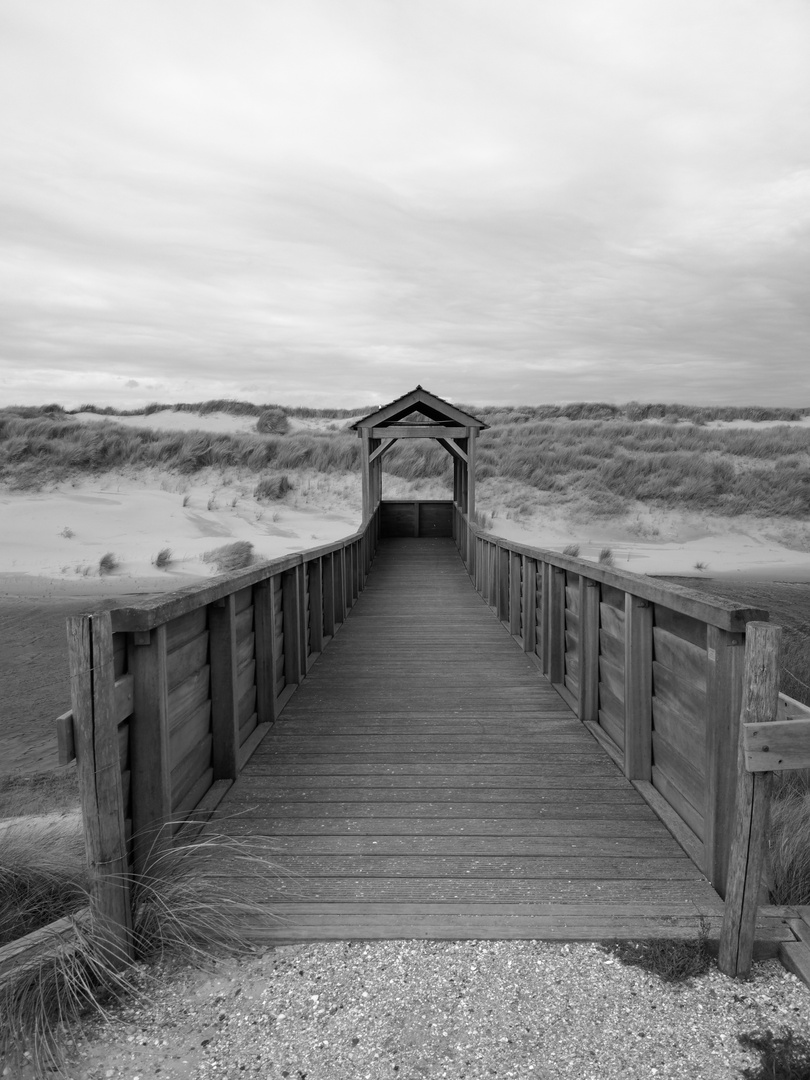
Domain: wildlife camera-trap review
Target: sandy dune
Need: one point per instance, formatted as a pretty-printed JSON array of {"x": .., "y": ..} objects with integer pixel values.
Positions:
[{"x": 54, "y": 540}]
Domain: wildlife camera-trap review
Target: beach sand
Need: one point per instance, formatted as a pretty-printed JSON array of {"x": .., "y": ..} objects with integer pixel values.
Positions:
[{"x": 52, "y": 542}]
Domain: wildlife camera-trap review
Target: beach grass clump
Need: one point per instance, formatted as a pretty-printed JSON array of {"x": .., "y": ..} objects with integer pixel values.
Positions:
[
  {"x": 108, "y": 563},
  {"x": 673, "y": 960},
  {"x": 163, "y": 558},
  {"x": 606, "y": 557},
  {"x": 230, "y": 557},
  {"x": 789, "y": 838},
  {"x": 572, "y": 550},
  {"x": 184, "y": 908},
  {"x": 272, "y": 488},
  {"x": 273, "y": 422},
  {"x": 783, "y": 1055}
]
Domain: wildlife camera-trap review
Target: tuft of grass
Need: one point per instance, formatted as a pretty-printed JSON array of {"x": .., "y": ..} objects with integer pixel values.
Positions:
[
  {"x": 273, "y": 422},
  {"x": 701, "y": 565},
  {"x": 184, "y": 908},
  {"x": 673, "y": 960},
  {"x": 606, "y": 557},
  {"x": 67, "y": 533},
  {"x": 108, "y": 563},
  {"x": 186, "y": 500},
  {"x": 163, "y": 558},
  {"x": 789, "y": 838},
  {"x": 783, "y": 1055},
  {"x": 230, "y": 557},
  {"x": 572, "y": 550},
  {"x": 272, "y": 488},
  {"x": 39, "y": 793}
]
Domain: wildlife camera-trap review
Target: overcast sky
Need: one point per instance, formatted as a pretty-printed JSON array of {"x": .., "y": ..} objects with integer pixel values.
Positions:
[{"x": 329, "y": 201}]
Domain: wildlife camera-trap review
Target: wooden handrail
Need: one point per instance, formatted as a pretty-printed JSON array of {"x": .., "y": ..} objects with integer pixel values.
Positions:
[
  {"x": 724, "y": 614},
  {"x": 653, "y": 669},
  {"x": 171, "y": 697}
]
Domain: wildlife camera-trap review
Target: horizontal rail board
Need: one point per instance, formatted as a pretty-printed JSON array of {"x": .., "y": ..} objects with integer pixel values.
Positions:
[
  {"x": 780, "y": 745},
  {"x": 716, "y": 612}
]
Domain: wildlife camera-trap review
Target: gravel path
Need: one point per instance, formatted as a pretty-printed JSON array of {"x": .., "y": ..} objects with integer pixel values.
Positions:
[{"x": 412, "y": 1009}]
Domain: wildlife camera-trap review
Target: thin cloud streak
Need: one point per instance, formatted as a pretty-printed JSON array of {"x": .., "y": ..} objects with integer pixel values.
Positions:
[{"x": 511, "y": 202}]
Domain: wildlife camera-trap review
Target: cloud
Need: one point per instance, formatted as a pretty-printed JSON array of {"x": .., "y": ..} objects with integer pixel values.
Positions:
[{"x": 519, "y": 201}]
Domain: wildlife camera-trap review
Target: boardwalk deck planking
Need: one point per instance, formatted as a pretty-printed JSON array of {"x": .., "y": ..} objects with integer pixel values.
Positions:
[{"x": 425, "y": 781}]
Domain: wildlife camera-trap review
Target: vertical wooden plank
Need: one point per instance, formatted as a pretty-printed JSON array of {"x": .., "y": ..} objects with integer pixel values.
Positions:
[
  {"x": 556, "y": 626},
  {"x": 303, "y": 630},
  {"x": 224, "y": 694},
  {"x": 725, "y": 667},
  {"x": 316, "y": 604},
  {"x": 365, "y": 472},
  {"x": 92, "y": 691},
  {"x": 339, "y": 563},
  {"x": 264, "y": 625},
  {"x": 472, "y": 435},
  {"x": 589, "y": 596},
  {"x": 150, "y": 765},
  {"x": 529, "y": 604},
  {"x": 545, "y": 617},
  {"x": 503, "y": 584},
  {"x": 292, "y": 626},
  {"x": 328, "y": 591},
  {"x": 760, "y": 698},
  {"x": 515, "y": 593},
  {"x": 638, "y": 660}
]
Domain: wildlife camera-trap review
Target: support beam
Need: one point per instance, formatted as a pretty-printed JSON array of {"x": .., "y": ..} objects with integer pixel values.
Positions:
[{"x": 385, "y": 444}]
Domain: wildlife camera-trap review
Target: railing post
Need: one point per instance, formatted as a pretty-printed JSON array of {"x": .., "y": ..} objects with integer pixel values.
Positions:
[
  {"x": 725, "y": 664},
  {"x": 556, "y": 644},
  {"x": 264, "y": 621},
  {"x": 339, "y": 566},
  {"x": 315, "y": 604},
  {"x": 224, "y": 692},
  {"x": 515, "y": 593},
  {"x": 292, "y": 626},
  {"x": 545, "y": 616},
  {"x": 503, "y": 583},
  {"x": 328, "y": 586},
  {"x": 92, "y": 691},
  {"x": 638, "y": 661},
  {"x": 150, "y": 775},
  {"x": 760, "y": 696},
  {"x": 589, "y": 595},
  {"x": 529, "y": 604}
]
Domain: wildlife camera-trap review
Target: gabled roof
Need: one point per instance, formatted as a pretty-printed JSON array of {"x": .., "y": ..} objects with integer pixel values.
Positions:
[{"x": 422, "y": 401}]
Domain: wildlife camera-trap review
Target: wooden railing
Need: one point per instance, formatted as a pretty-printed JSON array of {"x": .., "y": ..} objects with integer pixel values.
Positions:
[
  {"x": 666, "y": 681},
  {"x": 654, "y": 670},
  {"x": 171, "y": 697}
]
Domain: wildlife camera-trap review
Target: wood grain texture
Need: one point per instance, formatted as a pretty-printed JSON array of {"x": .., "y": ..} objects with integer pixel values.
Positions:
[
  {"x": 425, "y": 761},
  {"x": 92, "y": 679},
  {"x": 752, "y": 813}
]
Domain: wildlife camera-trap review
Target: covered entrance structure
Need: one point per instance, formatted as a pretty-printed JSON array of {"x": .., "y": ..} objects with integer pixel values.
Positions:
[{"x": 419, "y": 415}]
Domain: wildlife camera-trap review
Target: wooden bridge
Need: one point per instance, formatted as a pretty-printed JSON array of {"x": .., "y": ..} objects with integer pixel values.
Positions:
[
  {"x": 426, "y": 781},
  {"x": 444, "y": 734}
]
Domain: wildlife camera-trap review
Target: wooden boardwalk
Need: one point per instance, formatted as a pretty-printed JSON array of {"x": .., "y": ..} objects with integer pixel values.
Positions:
[{"x": 426, "y": 781}]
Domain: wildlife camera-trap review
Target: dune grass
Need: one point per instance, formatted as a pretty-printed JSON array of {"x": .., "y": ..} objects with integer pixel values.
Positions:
[
  {"x": 230, "y": 557},
  {"x": 607, "y": 457},
  {"x": 184, "y": 909}
]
